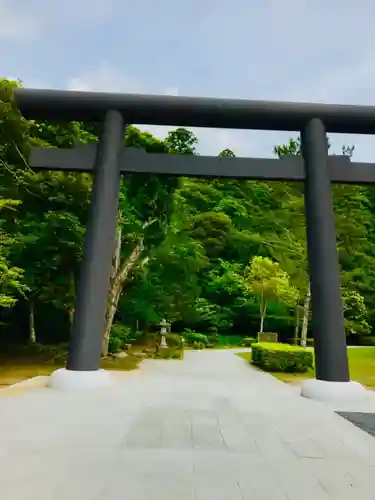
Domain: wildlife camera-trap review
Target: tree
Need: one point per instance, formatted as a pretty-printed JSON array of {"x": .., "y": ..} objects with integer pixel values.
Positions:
[
  {"x": 11, "y": 277},
  {"x": 145, "y": 209},
  {"x": 355, "y": 314},
  {"x": 269, "y": 282}
]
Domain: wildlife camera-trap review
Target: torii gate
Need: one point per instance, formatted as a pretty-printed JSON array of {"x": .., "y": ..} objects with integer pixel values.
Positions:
[{"x": 110, "y": 158}]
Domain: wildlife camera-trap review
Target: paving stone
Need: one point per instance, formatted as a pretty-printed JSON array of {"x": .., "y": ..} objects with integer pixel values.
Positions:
[
  {"x": 208, "y": 427},
  {"x": 365, "y": 421}
]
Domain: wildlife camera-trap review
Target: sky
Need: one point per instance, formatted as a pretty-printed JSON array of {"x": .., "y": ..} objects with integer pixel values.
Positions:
[{"x": 291, "y": 50}]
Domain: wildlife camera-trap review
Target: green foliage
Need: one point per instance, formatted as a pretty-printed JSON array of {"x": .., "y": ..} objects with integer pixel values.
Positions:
[
  {"x": 174, "y": 340},
  {"x": 355, "y": 314},
  {"x": 269, "y": 282},
  {"x": 50, "y": 353},
  {"x": 366, "y": 341},
  {"x": 249, "y": 341},
  {"x": 275, "y": 357},
  {"x": 184, "y": 244},
  {"x": 198, "y": 345},
  {"x": 230, "y": 340},
  {"x": 213, "y": 339},
  {"x": 11, "y": 277},
  {"x": 192, "y": 337},
  {"x": 170, "y": 353},
  {"x": 120, "y": 335}
]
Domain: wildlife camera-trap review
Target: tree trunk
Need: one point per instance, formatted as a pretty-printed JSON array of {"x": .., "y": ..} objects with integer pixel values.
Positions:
[
  {"x": 32, "y": 332},
  {"x": 71, "y": 316},
  {"x": 296, "y": 328},
  {"x": 305, "y": 319},
  {"x": 120, "y": 274},
  {"x": 263, "y": 308}
]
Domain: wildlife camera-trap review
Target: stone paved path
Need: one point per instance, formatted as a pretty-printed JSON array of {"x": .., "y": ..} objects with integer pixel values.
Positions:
[{"x": 208, "y": 427}]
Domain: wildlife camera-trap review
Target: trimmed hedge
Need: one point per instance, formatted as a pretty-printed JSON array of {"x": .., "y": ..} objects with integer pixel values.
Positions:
[
  {"x": 193, "y": 337},
  {"x": 274, "y": 357}
]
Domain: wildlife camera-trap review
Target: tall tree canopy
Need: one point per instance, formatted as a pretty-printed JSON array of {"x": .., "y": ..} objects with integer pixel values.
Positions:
[{"x": 194, "y": 250}]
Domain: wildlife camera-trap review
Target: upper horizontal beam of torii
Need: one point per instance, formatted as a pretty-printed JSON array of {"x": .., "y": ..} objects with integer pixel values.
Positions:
[
  {"x": 134, "y": 160},
  {"x": 193, "y": 111}
]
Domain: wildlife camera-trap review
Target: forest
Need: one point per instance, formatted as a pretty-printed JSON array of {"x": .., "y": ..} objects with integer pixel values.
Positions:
[{"x": 220, "y": 257}]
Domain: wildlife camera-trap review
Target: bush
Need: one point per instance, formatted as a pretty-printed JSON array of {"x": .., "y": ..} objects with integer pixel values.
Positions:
[
  {"x": 114, "y": 345},
  {"x": 366, "y": 341},
  {"x": 174, "y": 340},
  {"x": 274, "y": 357},
  {"x": 248, "y": 341},
  {"x": 230, "y": 340},
  {"x": 120, "y": 335},
  {"x": 198, "y": 345},
  {"x": 213, "y": 339},
  {"x": 51, "y": 353},
  {"x": 210, "y": 346},
  {"x": 169, "y": 353},
  {"x": 192, "y": 337}
]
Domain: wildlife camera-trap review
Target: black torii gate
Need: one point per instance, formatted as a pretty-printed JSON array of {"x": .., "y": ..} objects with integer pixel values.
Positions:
[{"x": 107, "y": 160}]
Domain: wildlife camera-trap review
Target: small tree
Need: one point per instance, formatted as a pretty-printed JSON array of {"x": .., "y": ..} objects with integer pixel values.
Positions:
[
  {"x": 269, "y": 282},
  {"x": 355, "y": 313},
  {"x": 11, "y": 277}
]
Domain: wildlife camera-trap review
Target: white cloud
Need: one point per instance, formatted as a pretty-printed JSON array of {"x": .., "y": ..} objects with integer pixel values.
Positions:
[
  {"x": 107, "y": 78},
  {"x": 104, "y": 78},
  {"x": 305, "y": 51}
]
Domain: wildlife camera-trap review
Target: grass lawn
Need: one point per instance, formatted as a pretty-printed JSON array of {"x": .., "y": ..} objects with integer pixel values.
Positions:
[
  {"x": 16, "y": 369},
  {"x": 361, "y": 365}
]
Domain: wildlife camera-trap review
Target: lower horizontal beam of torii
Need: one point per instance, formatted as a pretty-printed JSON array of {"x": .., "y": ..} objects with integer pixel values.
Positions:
[{"x": 134, "y": 160}]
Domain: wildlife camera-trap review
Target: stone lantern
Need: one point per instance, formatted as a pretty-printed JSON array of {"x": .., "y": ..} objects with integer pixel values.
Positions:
[{"x": 164, "y": 326}]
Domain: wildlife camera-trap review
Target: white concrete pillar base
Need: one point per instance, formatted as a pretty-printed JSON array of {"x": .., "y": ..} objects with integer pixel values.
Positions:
[
  {"x": 72, "y": 380},
  {"x": 333, "y": 392}
]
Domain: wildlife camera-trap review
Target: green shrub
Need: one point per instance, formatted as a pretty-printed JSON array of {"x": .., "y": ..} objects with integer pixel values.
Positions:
[
  {"x": 274, "y": 357},
  {"x": 114, "y": 345},
  {"x": 210, "y": 346},
  {"x": 197, "y": 345},
  {"x": 213, "y": 339},
  {"x": 148, "y": 339},
  {"x": 120, "y": 335},
  {"x": 192, "y": 337},
  {"x": 248, "y": 341},
  {"x": 52, "y": 353},
  {"x": 267, "y": 337},
  {"x": 178, "y": 354},
  {"x": 174, "y": 340},
  {"x": 230, "y": 340},
  {"x": 366, "y": 341},
  {"x": 169, "y": 353}
]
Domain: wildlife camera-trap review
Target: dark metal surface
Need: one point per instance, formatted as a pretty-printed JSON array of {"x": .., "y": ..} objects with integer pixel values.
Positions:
[
  {"x": 193, "y": 111},
  {"x": 341, "y": 169},
  {"x": 364, "y": 421},
  {"x": 331, "y": 360},
  {"x": 89, "y": 318}
]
